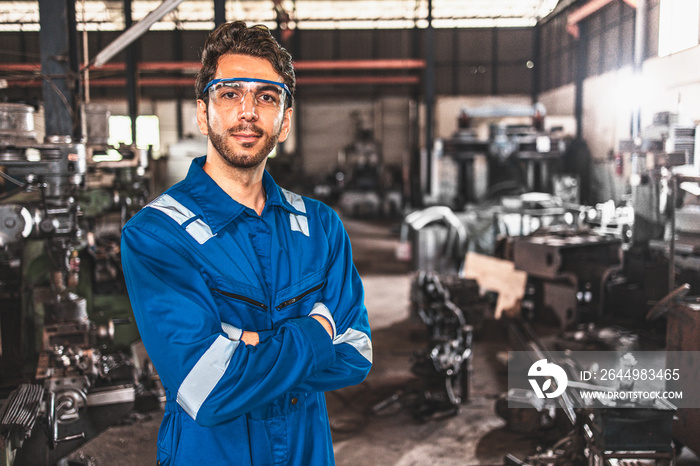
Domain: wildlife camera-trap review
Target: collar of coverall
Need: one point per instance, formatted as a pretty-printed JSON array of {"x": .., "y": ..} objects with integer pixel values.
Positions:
[{"x": 218, "y": 207}]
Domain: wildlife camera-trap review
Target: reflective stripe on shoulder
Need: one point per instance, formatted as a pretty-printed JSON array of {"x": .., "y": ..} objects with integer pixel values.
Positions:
[
  {"x": 204, "y": 376},
  {"x": 296, "y": 200},
  {"x": 358, "y": 340},
  {"x": 199, "y": 230},
  {"x": 297, "y": 222},
  {"x": 173, "y": 209}
]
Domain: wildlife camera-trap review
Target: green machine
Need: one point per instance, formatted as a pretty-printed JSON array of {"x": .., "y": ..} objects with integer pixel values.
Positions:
[{"x": 71, "y": 363}]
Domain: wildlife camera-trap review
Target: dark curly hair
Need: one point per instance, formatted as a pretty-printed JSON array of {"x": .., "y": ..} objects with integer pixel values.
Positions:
[{"x": 256, "y": 41}]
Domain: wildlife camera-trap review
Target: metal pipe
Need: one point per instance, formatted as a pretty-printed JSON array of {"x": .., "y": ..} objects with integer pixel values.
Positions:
[
  {"x": 352, "y": 80},
  {"x": 582, "y": 13},
  {"x": 383, "y": 64},
  {"x": 193, "y": 66},
  {"x": 189, "y": 81},
  {"x": 134, "y": 32}
]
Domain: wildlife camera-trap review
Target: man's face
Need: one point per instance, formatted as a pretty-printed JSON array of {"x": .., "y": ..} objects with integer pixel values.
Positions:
[{"x": 244, "y": 134}]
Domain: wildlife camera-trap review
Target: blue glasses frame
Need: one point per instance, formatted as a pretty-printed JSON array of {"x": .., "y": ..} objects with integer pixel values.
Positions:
[{"x": 249, "y": 80}]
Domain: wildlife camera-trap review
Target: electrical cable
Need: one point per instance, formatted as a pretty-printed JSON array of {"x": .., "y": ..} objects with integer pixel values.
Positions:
[{"x": 12, "y": 180}]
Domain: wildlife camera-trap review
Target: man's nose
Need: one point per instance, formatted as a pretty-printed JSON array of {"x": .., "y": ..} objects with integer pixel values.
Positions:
[{"x": 248, "y": 110}]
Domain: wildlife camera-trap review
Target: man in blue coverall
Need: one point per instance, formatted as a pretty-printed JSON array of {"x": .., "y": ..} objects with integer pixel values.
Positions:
[{"x": 245, "y": 294}]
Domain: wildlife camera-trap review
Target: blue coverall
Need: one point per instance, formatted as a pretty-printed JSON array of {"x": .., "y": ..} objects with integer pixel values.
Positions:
[{"x": 201, "y": 268}]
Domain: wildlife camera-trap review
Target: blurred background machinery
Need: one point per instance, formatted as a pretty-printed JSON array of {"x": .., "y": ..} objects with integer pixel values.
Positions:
[
  {"x": 70, "y": 363},
  {"x": 601, "y": 275},
  {"x": 361, "y": 184},
  {"x": 423, "y": 114},
  {"x": 513, "y": 158}
]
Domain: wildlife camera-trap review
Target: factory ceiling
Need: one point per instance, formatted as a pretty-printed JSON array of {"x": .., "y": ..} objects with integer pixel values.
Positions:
[{"x": 106, "y": 15}]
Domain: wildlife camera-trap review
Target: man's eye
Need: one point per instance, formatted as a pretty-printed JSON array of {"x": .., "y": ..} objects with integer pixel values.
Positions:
[
  {"x": 268, "y": 98},
  {"x": 228, "y": 95}
]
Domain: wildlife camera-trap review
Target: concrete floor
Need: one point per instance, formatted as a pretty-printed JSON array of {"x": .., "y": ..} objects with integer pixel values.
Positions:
[{"x": 475, "y": 436}]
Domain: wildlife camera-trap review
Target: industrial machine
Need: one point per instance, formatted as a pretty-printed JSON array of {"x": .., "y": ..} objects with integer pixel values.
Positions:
[
  {"x": 450, "y": 308},
  {"x": 582, "y": 431},
  {"x": 66, "y": 367},
  {"x": 361, "y": 184},
  {"x": 567, "y": 272},
  {"x": 513, "y": 158},
  {"x": 664, "y": 238},
  {"x": 445, "y": 365}
]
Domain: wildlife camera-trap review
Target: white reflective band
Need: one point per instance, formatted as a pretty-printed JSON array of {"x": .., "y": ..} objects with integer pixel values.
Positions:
[
  {"x": 299, "y": 223},
  {"x": 234, "y": 333},
  {"x": 172, "y": 208},
  {"x": 358, "y": 340},
  {"x": 295, "y": 200},
  {"x": 204, "y": 376},
  {"x": 199, "y": 230},
  {"x": 323, "y": 311}
]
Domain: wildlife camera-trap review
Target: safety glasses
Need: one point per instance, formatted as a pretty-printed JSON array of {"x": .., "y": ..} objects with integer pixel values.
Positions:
[{"x": 231, "y": 92}]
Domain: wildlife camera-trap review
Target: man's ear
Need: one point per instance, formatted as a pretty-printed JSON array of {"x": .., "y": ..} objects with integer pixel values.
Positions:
[
  {"x": 202, "y": 117},
  {"x": 286, "y": 124}
]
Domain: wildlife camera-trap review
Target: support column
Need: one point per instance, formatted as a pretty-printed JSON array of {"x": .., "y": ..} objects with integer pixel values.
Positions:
[
  {"x": 429, "y": 97},
  {"x": 59, "y": 67},
  {"x": 219, "y": 12},
  {"x": 494, "y": 61},
  {"x": 640, "y": 20},
  {"x": 537, "y": 59},
  {"x": 131, "y": 89},
  {"x": 581, "y": 65}
]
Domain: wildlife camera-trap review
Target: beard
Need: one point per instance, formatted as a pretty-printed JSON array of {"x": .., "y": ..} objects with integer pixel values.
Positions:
[{"x": 224, "y": 145}]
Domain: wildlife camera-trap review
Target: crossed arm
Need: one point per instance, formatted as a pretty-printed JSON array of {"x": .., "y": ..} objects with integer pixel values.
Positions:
[
  {"x": 253, "y": 338},
  {"x": 215, "y": 378}
]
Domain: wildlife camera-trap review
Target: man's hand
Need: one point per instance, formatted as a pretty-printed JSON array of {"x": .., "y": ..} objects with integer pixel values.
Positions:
[
  {"x": 250, "y": 338},
  {"x": 325, "y": 323}
]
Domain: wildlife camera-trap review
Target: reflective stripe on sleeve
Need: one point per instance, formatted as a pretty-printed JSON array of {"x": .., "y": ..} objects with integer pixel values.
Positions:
[
  {"x": 199, "y": 230},
  {"x": 234, "y": 333},
  {"x": 323, "y": 311},
  {"x": 204, "y": 376},
  {"x": 358, "y": 340}
]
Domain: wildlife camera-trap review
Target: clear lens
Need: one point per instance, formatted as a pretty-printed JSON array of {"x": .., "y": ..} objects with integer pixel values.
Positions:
[{"x": 233, "y": 93}]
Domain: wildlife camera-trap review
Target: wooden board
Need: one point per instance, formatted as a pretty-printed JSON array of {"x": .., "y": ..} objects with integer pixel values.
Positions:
[{"x": 500, "y": 276}]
